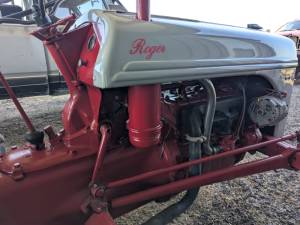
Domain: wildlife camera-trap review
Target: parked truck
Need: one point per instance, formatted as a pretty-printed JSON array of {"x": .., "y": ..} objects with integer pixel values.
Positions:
[{"x": 23, "y": 59}]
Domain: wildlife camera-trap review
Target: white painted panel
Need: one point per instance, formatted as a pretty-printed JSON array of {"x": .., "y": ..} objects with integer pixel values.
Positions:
[{"x": 21, "y": 53}]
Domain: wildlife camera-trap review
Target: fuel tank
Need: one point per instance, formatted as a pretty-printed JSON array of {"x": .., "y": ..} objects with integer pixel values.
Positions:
[{"x": 166, "y": 50}]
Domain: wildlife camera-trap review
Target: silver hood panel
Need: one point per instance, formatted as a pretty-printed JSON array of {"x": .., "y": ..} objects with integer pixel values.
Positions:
[{"x": 166, "y": 50}]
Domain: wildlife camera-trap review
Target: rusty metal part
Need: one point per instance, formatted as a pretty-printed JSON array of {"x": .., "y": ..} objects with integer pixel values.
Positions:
[
  {"x": 228, "y": 143},
  {"x": 252, "y": 136},
  {"x": 17, "y": 172},
  {"x": 96, "y": 201},
  {"x": 54, "y": 139}
]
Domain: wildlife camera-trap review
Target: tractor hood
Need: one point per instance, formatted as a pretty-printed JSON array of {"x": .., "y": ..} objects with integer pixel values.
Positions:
[{"x": 166, "y": 50}]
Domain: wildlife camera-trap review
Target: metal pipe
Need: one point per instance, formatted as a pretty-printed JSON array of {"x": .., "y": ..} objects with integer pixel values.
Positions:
[
  {"x": 104, "y": 129},
  {"x": 17, "y": 103},
  {"x": 210, "y": 114},
  {"x": 181, "y": 166},
  {"x": 143, "y": 10},
  {"x": 243, "y": 113},
  {"x": 144, "y": 123},
  {"x": 272, "y": 163}
]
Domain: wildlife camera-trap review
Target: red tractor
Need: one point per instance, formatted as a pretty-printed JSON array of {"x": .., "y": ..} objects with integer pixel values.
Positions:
[{"x": 157, "y": 106}]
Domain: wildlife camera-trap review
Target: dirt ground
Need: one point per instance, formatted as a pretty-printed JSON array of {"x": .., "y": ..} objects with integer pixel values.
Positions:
[{"x": 272, "y": 198}]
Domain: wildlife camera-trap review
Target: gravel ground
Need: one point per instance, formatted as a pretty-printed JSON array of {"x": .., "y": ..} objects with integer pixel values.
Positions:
[{"x": 272, "y": 198}]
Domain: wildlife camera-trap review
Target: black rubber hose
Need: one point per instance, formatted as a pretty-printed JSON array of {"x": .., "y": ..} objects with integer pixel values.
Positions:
[{"x": 194, "y": 124}]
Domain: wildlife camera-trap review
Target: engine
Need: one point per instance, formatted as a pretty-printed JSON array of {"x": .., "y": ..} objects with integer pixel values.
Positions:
[
  {"x": 181, "y": 98},
  {"x": 238, "y": 110}
]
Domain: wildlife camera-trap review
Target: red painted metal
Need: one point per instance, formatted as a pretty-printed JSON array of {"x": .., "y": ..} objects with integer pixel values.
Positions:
[
  {"x": 102, "y": 218},
  {"x": 65, "y": 55},
  {"x": 95, "y": 100},
  {"x": 60, "y": 175},
  {"x": 17, "y": 103},
  {"x": 181, "y": 166},
  {"x": 88, "y": 57},
  {"x": 101, "y": 153},
  {"x": 64, "y": 68},
  {"x": 144, "y": 123},
  {"x": 143, "y": 9},
  {"x": 81, "y": 112},
  {"x": 228, "y": 143},
  {"x": 295, "y": 161},
  {"x": 276, "y": 162},
  {"x": 252, "y": 136}
]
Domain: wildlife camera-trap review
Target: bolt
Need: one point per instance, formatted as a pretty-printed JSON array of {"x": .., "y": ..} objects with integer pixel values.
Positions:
[
  {"x": 73, "y": 152},
  {"x": 14, "y": 147},
  {"x": 17, "y": 165}
]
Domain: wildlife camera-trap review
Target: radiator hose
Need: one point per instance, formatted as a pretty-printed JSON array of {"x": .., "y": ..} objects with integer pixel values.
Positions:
[{"x": 193, "y": 122}]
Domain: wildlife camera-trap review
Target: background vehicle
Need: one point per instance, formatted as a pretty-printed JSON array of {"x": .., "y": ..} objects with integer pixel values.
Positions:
[
  {"x": 292, "y": 31},
  {"x": 23, "y": 59}
]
